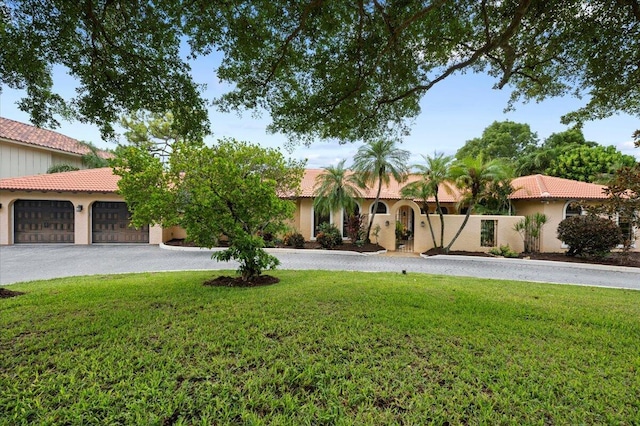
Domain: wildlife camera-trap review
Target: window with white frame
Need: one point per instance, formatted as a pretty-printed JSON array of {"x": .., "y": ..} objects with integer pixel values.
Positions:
[
  {"x": 382, "y": 208},
  {"x": 318, "y": 219},
  {"x": 572, "y": 208}
]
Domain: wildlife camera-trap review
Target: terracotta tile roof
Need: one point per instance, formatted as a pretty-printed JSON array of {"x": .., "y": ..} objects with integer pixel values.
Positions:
[
  {"x": 90, "y": 180},
  {"x": 31, "y": 135},
  {"x": 541, "y": 186},
  {"x": 391, "y": 192}
]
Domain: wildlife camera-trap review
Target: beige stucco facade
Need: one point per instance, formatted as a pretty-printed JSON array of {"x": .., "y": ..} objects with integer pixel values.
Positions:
[{"x": 82, "y": 219}]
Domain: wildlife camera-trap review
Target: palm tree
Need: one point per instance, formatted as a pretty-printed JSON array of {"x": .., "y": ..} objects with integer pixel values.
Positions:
[
  {"x": 376, "y": 162},
  {"x": 474, "y": 175},
  {"x": 336, "y": 188},
  {"x": 434, "y": 175}
]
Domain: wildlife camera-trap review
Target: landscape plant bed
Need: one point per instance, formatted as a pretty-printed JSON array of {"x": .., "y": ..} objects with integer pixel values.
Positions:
[
  {"x": 631, "y": 259},
  {"x": 319, "y": 347},
  {"x": 308, "y": 245},
  {"x": 6, "y": 293}
]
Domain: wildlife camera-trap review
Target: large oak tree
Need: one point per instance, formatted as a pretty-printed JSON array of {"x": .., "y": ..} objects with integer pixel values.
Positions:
[{"x": 351, "y": 70}]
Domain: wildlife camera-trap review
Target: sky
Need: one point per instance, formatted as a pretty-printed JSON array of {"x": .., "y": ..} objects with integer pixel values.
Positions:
[{"x": 454, "y": 111}]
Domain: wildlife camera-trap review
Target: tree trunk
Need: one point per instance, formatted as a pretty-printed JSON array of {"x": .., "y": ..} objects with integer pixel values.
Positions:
[
  {"x": 375, "y": 208},
  {"x": 433, "y": 235},
  {"x": 464, "y": 223},
  {"x": 441, "y": 219}
]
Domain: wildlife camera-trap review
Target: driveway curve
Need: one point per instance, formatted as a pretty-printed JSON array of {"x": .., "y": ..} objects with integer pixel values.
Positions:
[{"x": 20, "y": 263}]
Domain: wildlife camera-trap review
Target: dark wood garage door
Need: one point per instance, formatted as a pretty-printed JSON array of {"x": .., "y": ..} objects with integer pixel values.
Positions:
[
  {"x": 110, "y": 224},
  {"x": 43, "y": 221}
]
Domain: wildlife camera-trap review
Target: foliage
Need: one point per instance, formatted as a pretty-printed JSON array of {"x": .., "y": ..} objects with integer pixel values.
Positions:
[
  {"x": 530, "y": 228},
  {"x": 540, "y": 159},
  {"x": 502, "y": 139},
  {"x": 321, "y": 70},
  {"x": 504, "y": 251},
  {"x": 328, "y": 236},
  {"x": 376, "y": 232},
  {"x": 589, "y": 164},
  {"x": 433, "y": 175},
  {"x": 589, "y": 235},
  {"x": 95, "y": 158},
  {"x": 336, "y": 188},
  {"x": 294, "y": 239},
  {"x": 59, "y": 168},
  {"x": 355, "y": 227},
  {"x": 375, "y": 163},
  {"x": 319, "y": 347},
  {"x": 495, "y": 199},
  {"x": 473, "y": 176},
  {"x": 154, "y": 132},
  {"x": 623, "y": 199},
  {"x": 234, "y": 189},
  {"x": 402, "y": 233}
]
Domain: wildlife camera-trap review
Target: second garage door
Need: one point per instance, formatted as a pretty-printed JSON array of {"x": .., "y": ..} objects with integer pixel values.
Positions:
[{"x": 110, "y": 224}]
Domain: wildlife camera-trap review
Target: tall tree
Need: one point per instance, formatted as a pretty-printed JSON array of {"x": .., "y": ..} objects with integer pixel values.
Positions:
[
  {"x": 433, "y": 176},
  {"x": 233, "y": 189},
  {"x": 540, "y": 159},
  {"x": 473, "y": 176},
  {"x": 376, "y": 162},
  {"x": 336, "y": 188},
  {"x": 589, "y": 164},
  {"x": 344, "y": 70},
  {"x": 502, "y": 139}
]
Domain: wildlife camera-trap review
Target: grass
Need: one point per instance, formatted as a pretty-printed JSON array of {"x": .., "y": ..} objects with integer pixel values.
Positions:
[{"x": 318, "y": 348}]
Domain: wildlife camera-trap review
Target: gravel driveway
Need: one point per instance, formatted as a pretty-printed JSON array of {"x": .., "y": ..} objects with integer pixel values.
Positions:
[{"x": 33, "y": 262}]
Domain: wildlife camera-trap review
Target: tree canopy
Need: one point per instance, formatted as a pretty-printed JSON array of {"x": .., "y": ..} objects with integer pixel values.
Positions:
[
  {"x": 234, "y": 189},
  {"x": 345, "y": 70},
  {"x": 506, "y": 140}
]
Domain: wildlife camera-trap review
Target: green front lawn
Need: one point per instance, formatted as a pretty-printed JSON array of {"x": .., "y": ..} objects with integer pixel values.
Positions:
[{"x": 318, "y": 348}]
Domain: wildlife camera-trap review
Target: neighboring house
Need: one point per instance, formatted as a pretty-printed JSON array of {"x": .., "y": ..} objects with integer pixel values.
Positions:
[
  {"x": 83, "y": 207},
  {"x": 27, "y": 150}
]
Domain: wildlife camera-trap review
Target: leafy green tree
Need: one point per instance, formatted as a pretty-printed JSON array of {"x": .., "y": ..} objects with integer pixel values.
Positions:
[
  {"x": 502, "y": 139},
  {"x": 540, "y": 159},
  {"x": 589, "y": 164},
  {"x": 473, "y": 176},
  {"x": 233, "y": 189},
  {"x": 336, "y": 188},
  {"x": 433, "y": 175},
  {"x": 375, "y": 163},
  {"x": 154, "y": 132},
  {"x": 344, "y": 70}
]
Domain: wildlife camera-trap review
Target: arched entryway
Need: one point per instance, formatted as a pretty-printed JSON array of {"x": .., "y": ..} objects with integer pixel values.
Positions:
[{"x": 405, "y": 229}]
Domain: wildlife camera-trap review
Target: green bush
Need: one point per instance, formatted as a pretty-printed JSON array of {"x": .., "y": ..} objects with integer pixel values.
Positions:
[
  {"x": 328, "y": 236},
  {"x": 504, "y": 251},
  {"x": 589, "y": 236},
  {"x": 293, "y": 239}
]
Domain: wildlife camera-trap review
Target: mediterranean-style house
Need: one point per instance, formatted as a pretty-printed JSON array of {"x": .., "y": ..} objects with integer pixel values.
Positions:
[{"x": 83, "y": 207}]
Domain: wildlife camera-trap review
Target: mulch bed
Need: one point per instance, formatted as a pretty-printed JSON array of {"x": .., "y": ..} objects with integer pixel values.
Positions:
[
  {"x": 613, "y": 259},
  {"x": 224, "y": 281},
  {"x": 5, "y": 294},
  {"x": 308, "y": 245}
]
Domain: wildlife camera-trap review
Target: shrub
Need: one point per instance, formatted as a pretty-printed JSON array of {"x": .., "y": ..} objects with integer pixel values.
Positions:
[
  {"x": 328, "y": 236},
  {"x": 589, "y": 236},
  {"x": 293, "y": 239},
  {"x": 504, "y": 251},
  {"x": 355, "y": 227}
]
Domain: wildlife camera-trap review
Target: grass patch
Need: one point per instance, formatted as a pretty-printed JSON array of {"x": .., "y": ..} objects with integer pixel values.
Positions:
[{"x": 318, "y": 348}]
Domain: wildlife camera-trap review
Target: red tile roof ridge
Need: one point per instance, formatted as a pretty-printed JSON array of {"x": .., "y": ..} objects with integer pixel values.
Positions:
[
  {"x": 37, "y": 136},
  {"x": 88, "y": 180}
]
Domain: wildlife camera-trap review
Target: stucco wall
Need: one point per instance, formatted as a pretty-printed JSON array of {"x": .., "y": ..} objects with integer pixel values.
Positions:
[{"x": 82, "y": 220}]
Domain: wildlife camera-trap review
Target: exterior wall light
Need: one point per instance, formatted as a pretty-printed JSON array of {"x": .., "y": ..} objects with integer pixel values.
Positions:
[
  {"x": 422, "y": 223},
  {"x": 79, "y": 208},
  {"x": 386, "y": 223}
]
